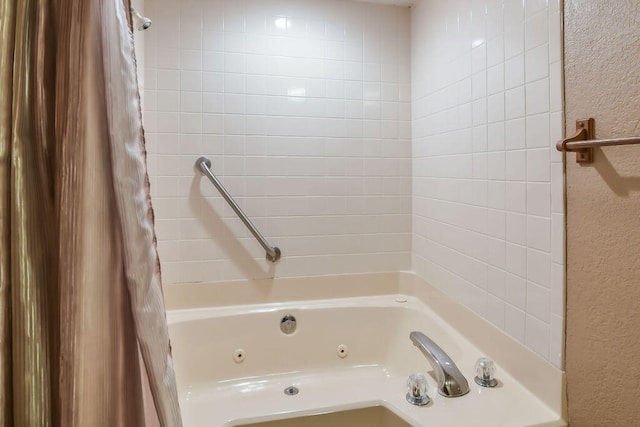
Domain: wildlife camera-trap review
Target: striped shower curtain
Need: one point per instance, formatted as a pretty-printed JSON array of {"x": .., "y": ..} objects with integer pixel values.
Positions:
[{"x": 83, "y": 332}]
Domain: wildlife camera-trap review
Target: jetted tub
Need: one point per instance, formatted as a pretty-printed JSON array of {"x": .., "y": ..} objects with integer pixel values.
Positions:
[{"x": 349, "y": 359}]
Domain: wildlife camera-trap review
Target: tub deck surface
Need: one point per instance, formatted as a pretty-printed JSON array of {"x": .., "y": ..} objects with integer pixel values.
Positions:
[{"x": 215, "y": 390}]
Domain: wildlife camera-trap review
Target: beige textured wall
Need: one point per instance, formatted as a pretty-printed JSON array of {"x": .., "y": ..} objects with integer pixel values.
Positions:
[{"x": 602, "y": 72}]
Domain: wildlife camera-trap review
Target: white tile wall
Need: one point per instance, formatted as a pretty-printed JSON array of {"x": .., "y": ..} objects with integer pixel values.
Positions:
[
  {"x": 487, "y": 183},
  {"x": 343, "y": 156},
  {"x": 304, "y": 109}
]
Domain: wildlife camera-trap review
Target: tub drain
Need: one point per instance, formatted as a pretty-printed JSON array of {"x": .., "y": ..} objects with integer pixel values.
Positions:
[{"x": 291, "y": 391}]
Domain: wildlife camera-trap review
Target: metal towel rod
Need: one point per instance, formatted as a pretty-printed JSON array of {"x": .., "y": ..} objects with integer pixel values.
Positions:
[
  {"x": 582, "y": 141},
  {"x": 204, "y": 165}
]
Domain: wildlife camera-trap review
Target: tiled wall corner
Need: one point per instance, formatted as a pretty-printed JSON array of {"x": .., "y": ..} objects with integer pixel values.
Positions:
[
  {"x": 488, "y": 210},
  {"x": 304, "y": 110}
]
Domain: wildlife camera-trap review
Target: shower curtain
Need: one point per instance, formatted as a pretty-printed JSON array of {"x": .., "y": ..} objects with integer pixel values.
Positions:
[{"x": 83, "y": 332}]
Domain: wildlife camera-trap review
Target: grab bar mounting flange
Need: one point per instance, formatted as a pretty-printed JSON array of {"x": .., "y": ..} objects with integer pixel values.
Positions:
[{"x": 584, "y": 131}]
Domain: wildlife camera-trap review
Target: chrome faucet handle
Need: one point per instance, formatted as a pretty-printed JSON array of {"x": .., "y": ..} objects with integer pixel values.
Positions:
[
  {"x": 485, "y": 369},
  {"x": 451, "y": 382},
  {"x": 417, "y": 390}
]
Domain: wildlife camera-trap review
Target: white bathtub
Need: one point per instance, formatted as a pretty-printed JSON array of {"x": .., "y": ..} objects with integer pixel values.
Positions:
[{"x": 233, "y": 362}]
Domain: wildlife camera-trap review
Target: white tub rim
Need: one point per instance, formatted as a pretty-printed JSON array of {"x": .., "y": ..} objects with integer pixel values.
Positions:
[{"x": 540, "y": 377}]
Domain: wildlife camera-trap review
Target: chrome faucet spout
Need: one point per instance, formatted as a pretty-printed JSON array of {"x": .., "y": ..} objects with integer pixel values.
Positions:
[{"x": 451, "y": 382}]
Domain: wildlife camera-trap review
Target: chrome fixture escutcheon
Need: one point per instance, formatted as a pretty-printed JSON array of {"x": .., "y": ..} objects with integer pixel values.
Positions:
[
  {"x": 288, "y": 324},
  {"x": 291, "y": 391}
]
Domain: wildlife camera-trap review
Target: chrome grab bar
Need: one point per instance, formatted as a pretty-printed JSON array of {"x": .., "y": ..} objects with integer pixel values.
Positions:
[
  {"x": 580, "y": 145},
  {"x": 204, "y": 165}
]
